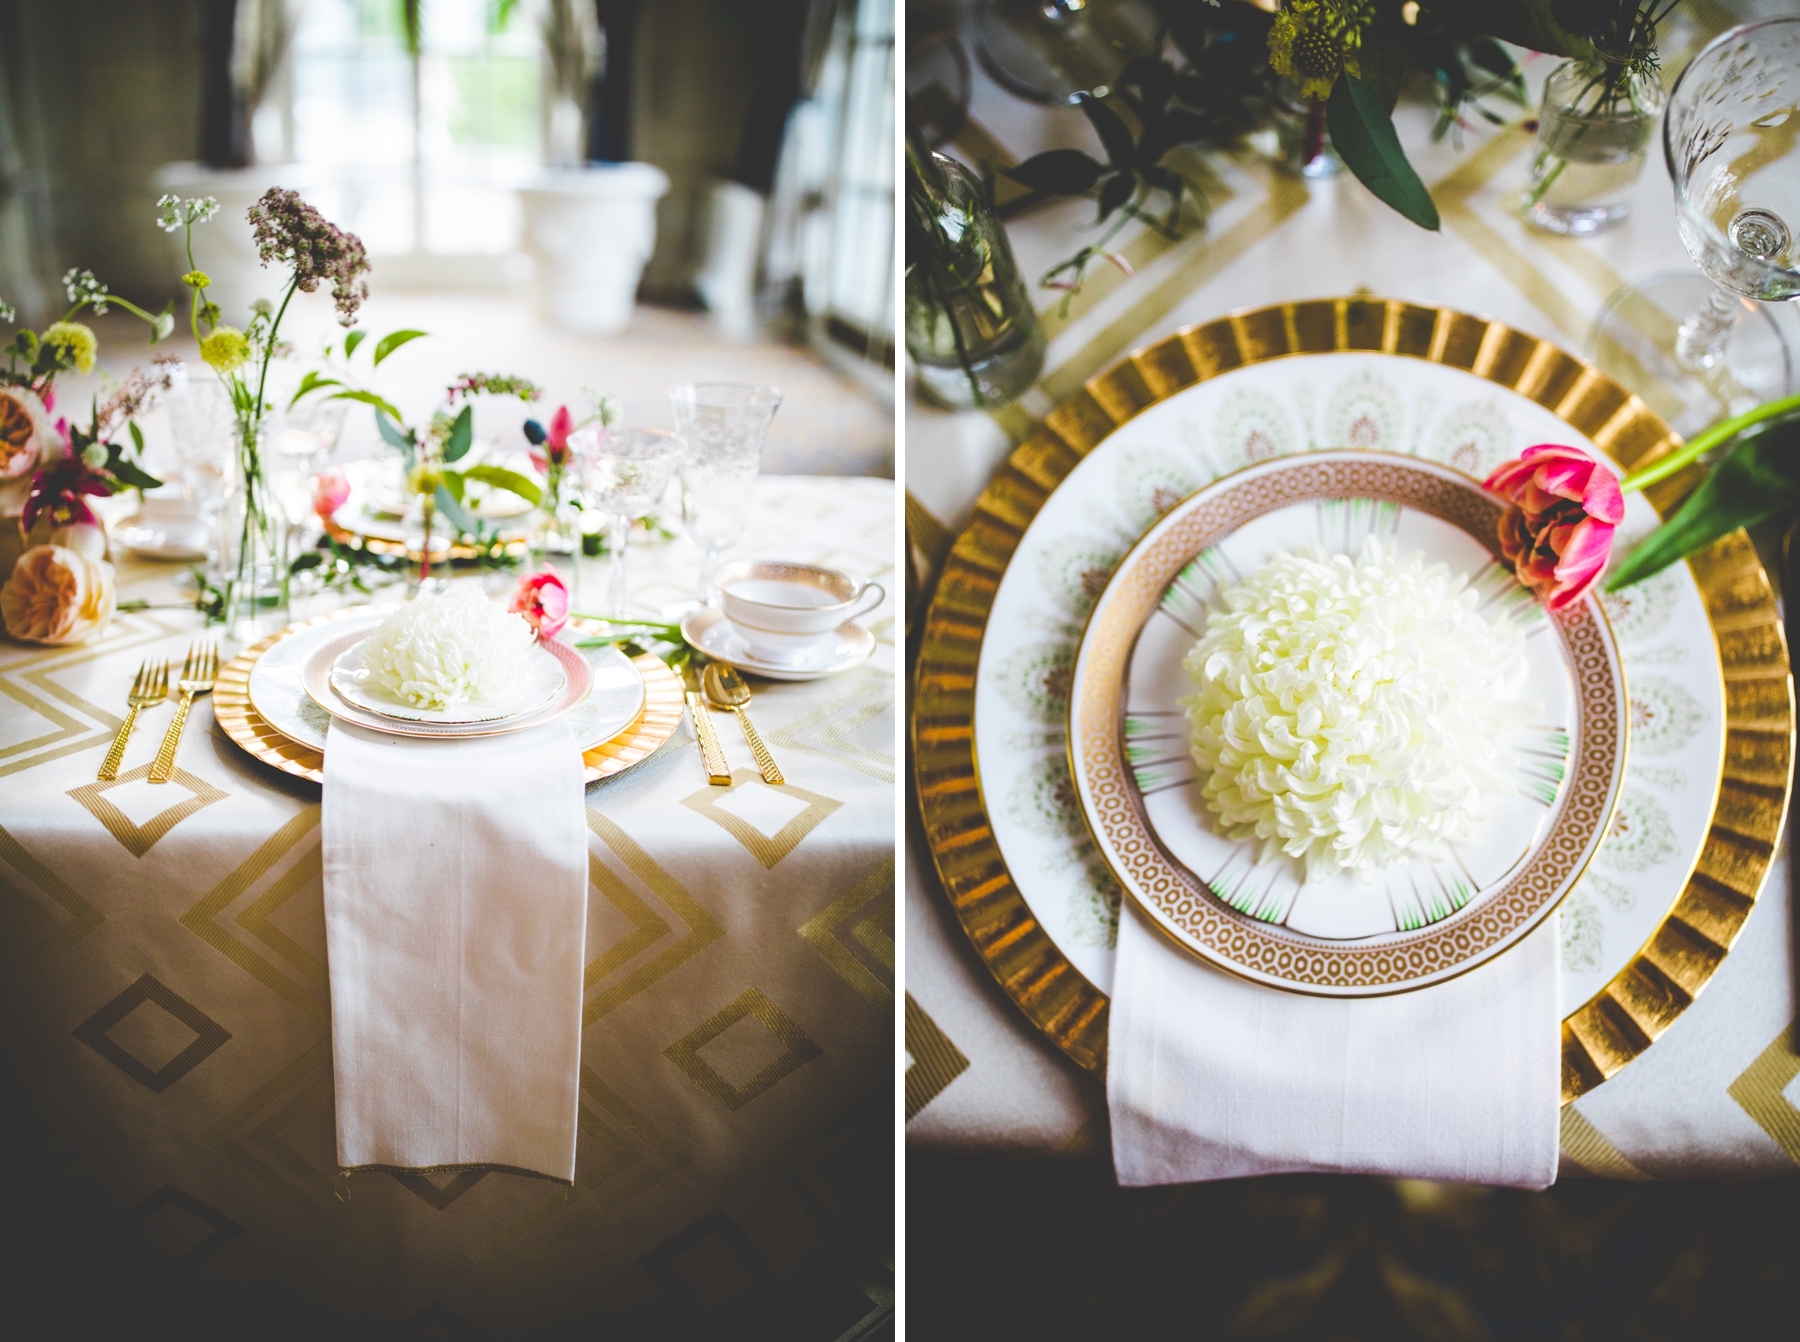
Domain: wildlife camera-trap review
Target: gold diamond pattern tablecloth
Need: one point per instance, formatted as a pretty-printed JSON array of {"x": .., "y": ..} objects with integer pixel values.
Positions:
[
  {"x": 166, "y": 1045},
  {"x": 1714, "y": 1095}
]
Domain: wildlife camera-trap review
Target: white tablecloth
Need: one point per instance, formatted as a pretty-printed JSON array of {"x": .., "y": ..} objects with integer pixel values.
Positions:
[{"x": 1718, "y": 1093}]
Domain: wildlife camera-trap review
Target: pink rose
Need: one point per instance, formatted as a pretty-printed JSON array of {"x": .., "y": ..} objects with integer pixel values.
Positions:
[
  {"x": 330, "y": 489},
  {"x": 57, "y": 596},
  {"x": 543, "y": 600},
  {"x": 1559, "y": 532}
]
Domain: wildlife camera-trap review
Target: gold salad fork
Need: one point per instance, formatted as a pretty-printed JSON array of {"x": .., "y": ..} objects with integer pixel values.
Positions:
[
  {"x": 197, "y": 676},
  {"x": 149, "y": 689}
]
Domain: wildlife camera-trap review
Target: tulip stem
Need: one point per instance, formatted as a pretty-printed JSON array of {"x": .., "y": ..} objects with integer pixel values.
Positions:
[{"x": 1702, "y": 443}]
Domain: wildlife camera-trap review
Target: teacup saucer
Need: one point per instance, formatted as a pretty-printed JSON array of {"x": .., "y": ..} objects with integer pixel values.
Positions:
[{"x": 848, "y": 646}]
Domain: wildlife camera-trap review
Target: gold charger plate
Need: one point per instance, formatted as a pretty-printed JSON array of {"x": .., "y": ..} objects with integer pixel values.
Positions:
[
  {"x": 654, "y": 724},
  {"x": 1619, "y": 1022}
]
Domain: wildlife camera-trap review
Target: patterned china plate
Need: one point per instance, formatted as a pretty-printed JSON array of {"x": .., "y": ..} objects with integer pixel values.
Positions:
[
  {"x": 544, "y": 679},
  {"x": 319, "y": 676},
  {"x": 1711, "y": 698},
  {"x": 1414, "y": 923}
]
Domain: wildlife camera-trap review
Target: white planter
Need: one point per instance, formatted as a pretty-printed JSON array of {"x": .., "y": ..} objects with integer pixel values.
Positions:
[
  {"x": 590, "y": 231},
  {"x": 225, "y": 248}
]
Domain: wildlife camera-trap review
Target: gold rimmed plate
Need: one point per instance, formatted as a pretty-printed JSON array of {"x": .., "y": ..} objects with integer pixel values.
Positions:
[
  {"x": 653, "y": 690},
  {"x": 1343, "y": 935},
  {"x": 1711, "y": 712}
]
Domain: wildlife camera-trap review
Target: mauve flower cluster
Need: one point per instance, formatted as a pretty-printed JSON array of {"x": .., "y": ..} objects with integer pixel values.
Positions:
[
  {"x": 132, "y": 397},
  {"x": 493, "y": 384},
  {"x": 288, "y": 229}
]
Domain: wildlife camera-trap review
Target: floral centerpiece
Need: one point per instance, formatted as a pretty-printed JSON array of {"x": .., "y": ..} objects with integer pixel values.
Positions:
[
  {"x": 49, "y": 469},
  {"x": 291, "y": 233}
]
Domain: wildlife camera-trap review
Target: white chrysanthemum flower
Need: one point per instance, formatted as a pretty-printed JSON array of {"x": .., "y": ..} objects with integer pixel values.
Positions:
[
  {"x": 1351, "y": 711},
  {"x": 440, "y": 651}
]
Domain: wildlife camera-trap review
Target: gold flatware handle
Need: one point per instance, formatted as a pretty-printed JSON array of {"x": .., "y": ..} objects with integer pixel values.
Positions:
[
  {"x": 718, "y": 771},
  {"x": 771, "y": 772},
  {"x": 164, "y": 768},
  {"x": 109, "y": 769}
]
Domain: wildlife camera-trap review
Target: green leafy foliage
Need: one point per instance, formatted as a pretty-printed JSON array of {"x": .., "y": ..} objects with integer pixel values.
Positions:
[
  {"x": 1758, "y": 479},
  {"x": 501, "y": 478},
  {"x": 462, "y": 435},
  {"x": 352, "y": 340},
  {"x": 1363, "y": 132},
  {"x": 392, "y": 341}
]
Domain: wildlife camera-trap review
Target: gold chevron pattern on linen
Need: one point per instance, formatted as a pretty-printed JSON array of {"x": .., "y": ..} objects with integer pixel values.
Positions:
[
  {"x": 140, "y": 839},
  {"x": 766, "y": 848},
  {"x": 228, "y": 1171},
  {"x": 1624, "y": 1018},
  {"x": 932, "y": 1061},
  {"x": 1761, "y": 1091},
  {"x": 797, "y": 1049}
]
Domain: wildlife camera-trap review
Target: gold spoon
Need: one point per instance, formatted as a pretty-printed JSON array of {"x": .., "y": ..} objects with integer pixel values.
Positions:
[{"x": 725, "y": 688}]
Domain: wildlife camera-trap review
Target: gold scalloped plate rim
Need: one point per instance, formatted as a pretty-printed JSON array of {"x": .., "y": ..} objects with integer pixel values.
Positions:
[
  {"x": 654, "y": 725},
  {"x": 1633, "y": 1010}
]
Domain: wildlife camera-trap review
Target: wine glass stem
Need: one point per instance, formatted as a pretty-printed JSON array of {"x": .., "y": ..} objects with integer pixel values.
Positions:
[
  {"x": 1700, "y": 343},
  {"x": 619, "y": 590},
  {"x": 709, "y": 591}
]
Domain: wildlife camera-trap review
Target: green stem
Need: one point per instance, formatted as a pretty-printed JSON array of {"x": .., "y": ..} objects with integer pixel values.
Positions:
[{"x": 1702, "y": 443}]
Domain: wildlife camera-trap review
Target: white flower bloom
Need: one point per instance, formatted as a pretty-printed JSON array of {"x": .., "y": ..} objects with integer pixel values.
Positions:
[
  {"x": 1351, "y": 711},
  {"x": 440, "y": 651}
]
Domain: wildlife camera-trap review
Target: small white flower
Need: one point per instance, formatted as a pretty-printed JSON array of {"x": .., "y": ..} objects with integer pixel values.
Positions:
[{"x": 94, "y": 455}]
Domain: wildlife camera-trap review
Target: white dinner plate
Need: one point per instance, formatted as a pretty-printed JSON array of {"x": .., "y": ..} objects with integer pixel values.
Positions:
[
  {"x": 614, "y": 700},
  {"x": 1415, "y": 922}
]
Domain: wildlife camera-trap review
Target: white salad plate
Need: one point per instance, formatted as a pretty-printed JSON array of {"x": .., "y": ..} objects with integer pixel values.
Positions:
[
  {"x": 317, "y": 674},
  {"x": 843, "y": 649},
  {"x": 1282, "y": 408},
  {"x": 277, "y": 690},
  {"x": 1410, "y": 924},
  {"x": 543, "y": 680}
]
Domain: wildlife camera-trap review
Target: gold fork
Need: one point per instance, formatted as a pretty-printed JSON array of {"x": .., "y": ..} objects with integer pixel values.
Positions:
[
  {"x": 197, "y": 676},
  {"x": 149, "y": 689}
]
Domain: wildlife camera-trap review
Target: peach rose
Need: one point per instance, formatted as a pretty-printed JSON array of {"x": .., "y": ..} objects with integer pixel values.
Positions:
[
  {"x": 23, "y": 436},
  {"x": 56, "y": 595}
]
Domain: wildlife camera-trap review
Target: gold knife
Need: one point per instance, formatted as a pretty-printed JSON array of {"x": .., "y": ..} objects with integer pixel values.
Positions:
[{"x": 718, "y": 771}]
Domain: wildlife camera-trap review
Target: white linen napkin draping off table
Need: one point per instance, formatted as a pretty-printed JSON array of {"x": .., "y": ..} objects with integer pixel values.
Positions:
[
  {"x": 455, "y": 919},
  {"x": 1210, "y": 1076}
]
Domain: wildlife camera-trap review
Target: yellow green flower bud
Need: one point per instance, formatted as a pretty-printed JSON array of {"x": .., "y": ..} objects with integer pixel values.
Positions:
[
  {"x": 196, "y": 279},
  {"x": 76, "y": 340},
  {"x": 225, "y": 349}
]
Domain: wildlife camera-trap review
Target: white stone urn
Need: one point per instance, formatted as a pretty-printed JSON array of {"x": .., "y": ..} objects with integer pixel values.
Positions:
[
  {"x": 224, "y": 247},
  {"x": 590, "y": 232}
]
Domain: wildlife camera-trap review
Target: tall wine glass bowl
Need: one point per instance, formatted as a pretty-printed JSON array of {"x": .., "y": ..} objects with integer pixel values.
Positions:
[
  {"x": 1732, "y": 141},
  {"x": 624, "y": 474},
  {"x": 725, "y": 425}
]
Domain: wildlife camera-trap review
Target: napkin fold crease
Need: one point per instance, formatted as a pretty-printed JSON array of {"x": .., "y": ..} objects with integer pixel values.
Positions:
[{"x": 455, "y": 915}]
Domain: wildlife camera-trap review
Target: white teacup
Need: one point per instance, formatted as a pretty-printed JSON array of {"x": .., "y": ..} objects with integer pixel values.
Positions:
[{"x": 785, "y": 610}]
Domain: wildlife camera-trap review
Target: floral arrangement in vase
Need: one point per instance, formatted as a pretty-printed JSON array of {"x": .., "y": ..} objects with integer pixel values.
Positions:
[{"x": 314, "y": 251}]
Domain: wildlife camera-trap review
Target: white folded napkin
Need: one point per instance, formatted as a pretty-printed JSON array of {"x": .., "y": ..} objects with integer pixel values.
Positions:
[
  {"x": 1214, "y": 1077},
  {"x": 455, "y": 919}
]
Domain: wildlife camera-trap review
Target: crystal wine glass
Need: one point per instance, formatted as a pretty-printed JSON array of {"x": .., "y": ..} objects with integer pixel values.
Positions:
[
  {"x": 725, "y": 425},
  {"x": 200, "y": 420},
  {"x": 1699, "y": 349},
  {"x": 624, "y": 474}
]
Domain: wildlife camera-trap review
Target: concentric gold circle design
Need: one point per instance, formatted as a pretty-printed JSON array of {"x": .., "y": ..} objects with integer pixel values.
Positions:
[
  {"x": 1175, "y": 897},
  {"x": 655, "y": 723},
  {"x": 1645, "y": 998}
]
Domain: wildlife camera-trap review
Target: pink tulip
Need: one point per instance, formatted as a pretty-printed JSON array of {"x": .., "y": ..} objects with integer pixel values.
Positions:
[
  {"x": 543, "y": 600},
  {"x": 554, "y": 451},
  {"x": 330, "y": 490},
  {"x": 1558, "y": 533}
]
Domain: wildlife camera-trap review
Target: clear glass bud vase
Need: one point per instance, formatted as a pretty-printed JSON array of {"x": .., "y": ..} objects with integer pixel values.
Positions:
[
  {"x": 973, "y": 335},
  {"x": 553, "y": 536},
  {"x": 1594, "y": 128},
  {"x": 253, "y": 559}
]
